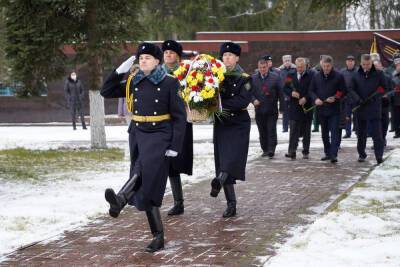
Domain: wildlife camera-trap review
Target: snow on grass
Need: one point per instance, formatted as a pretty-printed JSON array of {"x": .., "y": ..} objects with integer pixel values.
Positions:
[{"x": 364, "y": 230}]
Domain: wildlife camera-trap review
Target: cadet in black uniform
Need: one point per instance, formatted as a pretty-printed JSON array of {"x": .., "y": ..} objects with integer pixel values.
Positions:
[
  {"x": 155, "y": 134},
  {"x": 232, "y": 131},
  {"x": 183, "y": 163}
]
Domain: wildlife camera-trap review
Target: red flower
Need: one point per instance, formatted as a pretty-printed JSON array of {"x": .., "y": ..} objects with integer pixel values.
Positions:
[
  {"x": 187, "y": 66},
  {"x": 218, "y": 65},
  {"x": 288, "y": 79},
  {"x": 211, "y": 80},
  {"x": 381, "y": 90},
  {"x": 339, "y": 94},
  {"x": 194, "y": 73},
  {"x": 195, "y": 88},
  {"x": 213, "y": 61},
  {"x": 180, "y": 77},
  {"x": 208, "y": 73}
]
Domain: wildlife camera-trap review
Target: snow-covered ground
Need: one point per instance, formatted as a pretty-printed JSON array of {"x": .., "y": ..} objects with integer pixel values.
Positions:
[
  {"x": 36, "y": 210},
  {"x": 363, "y": 231}
]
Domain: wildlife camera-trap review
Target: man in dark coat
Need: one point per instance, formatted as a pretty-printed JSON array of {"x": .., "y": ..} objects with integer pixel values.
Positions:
[
  {"x": 368, "y": 86},
  {"x": 267, "y": 91},
  {"x": 155, "y": 134},
  {"x": 183, "y": 163},
  {"x": 287, "y": 68},
  {"x": 326, "y": 89},
  {"x": 232, "y": 129},
  {"x": 296, "y": 86},
  {"x": 75, "y": 94},
  {"x": 348, "y": 73}
]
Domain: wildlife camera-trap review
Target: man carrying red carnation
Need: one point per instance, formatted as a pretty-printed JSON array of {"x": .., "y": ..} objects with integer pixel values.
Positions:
[
  {"x": 326, "y": 89},
  {"x": 368, "y": 87}
]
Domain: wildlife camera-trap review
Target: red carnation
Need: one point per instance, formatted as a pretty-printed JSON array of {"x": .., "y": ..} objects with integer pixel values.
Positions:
[
  {"x": 218, "y": 65},
  {"x": 381, "y": 90},
  {"x": 211, "y": 80},
  {"x": 213, "y": 61},
  {"x": 289, "y": 79},
  {"x": 339, "y": 94},
  {"x": 195, "y": 88},
  {"x": 194, "y": 73},
  {"x": 187, "y": 66},
  {"x": 180, "y": 77},
  {"x": 208, "y": 73}
]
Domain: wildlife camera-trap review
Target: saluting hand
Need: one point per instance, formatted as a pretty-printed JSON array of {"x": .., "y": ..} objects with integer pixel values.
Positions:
[{"x": 126, "y": 65}]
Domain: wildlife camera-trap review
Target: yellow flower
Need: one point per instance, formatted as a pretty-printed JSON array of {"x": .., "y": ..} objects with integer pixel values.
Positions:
[
  {"x": 189, "y": 78},
  {"x": 199, "y": 77}
]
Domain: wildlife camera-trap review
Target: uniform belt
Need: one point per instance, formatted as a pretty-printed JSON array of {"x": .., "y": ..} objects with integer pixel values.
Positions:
[{"x": 138, "y": 118}]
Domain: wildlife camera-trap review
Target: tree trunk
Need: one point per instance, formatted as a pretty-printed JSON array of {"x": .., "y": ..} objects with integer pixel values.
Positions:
[
  {"x": 372, "y": 14},
  {"x": 97, "y": 122}
]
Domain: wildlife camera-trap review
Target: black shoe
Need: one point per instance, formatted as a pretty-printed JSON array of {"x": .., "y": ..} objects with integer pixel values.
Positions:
[
  {"x": 217, "y": 183},
  {"x": 291, "y": 155},
  {"x": 271, "y": 155},
  {"x": 346, "y": 136},
  {"x": 176, "y": 188},
  {"x": 231, "y": 201},
  {"x": 391, "y": 130},
  {"x": 361, "y": 159},
  {"x": 118, "y": 201},
  {"x": 315, "y": 131},
  {"x": 325, "y": 158},
  {"x": 334, "y": 160},
  {"x": 306, "y": 156},
  {"x": 396, "y": 136},
  {"x": 284, "y": 131},
  {"x": 264, "y": 154},
  {"x": 156, "y": 227},
  {"x": 84, "y": 128},
  {"x": 379, "y": 161}
]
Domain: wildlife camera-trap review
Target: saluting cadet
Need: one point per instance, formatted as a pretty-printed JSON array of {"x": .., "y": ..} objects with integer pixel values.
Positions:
[
  {"x": 155, "y": 134},
  {"x": 183, "y": 163},
  {"x": 368, "y": 86},
  {"x": 232, "y": 131}
]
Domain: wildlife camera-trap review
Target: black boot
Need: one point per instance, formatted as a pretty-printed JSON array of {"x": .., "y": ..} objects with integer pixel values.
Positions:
[
  {"x": 217, "y": 183},
  {"x": 176, "y": 187},
  {"x": 231, "y": 201},
  {"x": 118, "y": 201},
  {"x": 156, "y": 227}
]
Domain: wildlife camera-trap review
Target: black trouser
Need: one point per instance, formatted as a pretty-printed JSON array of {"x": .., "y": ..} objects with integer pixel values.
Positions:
[
  {"x": 266, "y": 124},
  {"x": 77, "y": 108},
  {"x": 297, "y": 129},
  {"x": 330, "y": 134},
  {"x": 376, "y": 133},
  {"x": 285, "y": 116},
  {"x": 396, "y": 119}
]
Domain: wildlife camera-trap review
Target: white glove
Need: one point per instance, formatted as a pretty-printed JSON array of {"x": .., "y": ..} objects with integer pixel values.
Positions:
[
  {"x": 171, "y": 153},
  {"x": 126, "y": 65}
]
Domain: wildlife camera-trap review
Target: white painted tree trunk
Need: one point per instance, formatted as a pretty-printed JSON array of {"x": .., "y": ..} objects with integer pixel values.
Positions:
[{"x": 97, "y": 122}]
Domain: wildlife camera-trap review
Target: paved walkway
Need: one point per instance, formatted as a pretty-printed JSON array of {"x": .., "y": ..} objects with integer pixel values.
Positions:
[{"x": 279, "y": 194}]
